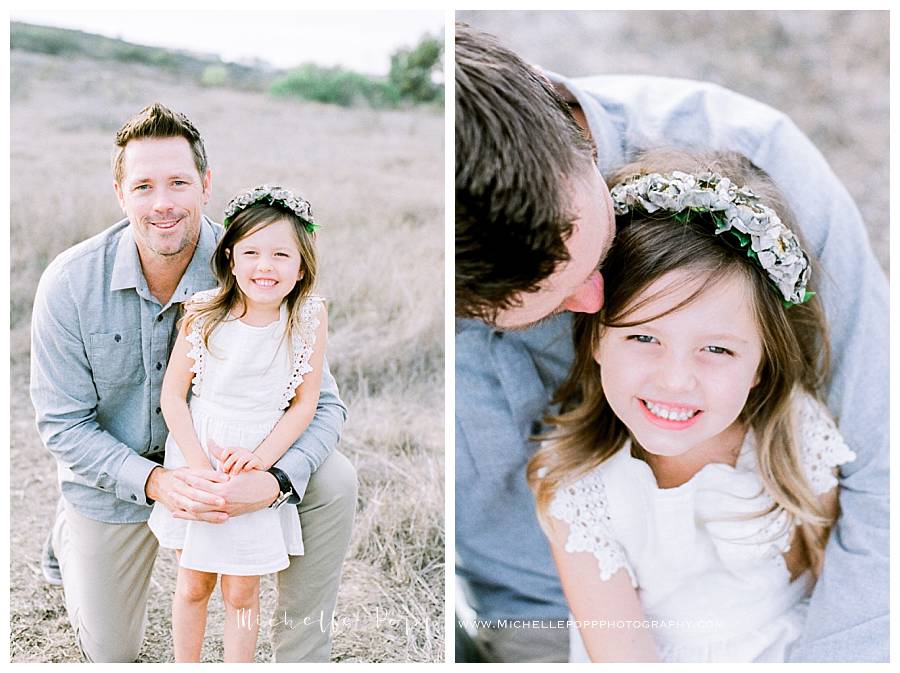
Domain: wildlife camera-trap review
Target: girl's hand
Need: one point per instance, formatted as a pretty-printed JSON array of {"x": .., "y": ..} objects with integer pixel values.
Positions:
[{"x": 233, "y": 460}]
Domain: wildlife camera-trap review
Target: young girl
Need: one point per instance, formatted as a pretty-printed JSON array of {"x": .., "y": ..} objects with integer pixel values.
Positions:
[
  {"x": 688, "y": 489},
  {"x": 251, "y": 352}
]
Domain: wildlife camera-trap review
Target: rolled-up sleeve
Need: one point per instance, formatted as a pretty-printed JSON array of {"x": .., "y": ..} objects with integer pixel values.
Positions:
[
  {"x": 65, "y": 397},
  {"x": 318, "y": 441}
]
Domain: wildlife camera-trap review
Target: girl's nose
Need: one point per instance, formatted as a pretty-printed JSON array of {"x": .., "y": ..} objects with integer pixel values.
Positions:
[
  {"x": 676, "y": 375},
  {"x": 588, "y": 298}
]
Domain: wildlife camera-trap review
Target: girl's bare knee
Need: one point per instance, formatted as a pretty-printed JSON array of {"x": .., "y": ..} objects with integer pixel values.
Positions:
[
  {"x": 194, "y": 586},
  {"x": 240, "y": 592}
]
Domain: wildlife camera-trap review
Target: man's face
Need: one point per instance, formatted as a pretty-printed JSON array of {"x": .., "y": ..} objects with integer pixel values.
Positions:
[
  {"x": 163, "y": 195},
  {"x": 576, "y": 285}
]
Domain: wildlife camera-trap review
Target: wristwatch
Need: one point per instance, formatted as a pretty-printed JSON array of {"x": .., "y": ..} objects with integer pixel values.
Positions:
[{"x": 286, "y": 490}]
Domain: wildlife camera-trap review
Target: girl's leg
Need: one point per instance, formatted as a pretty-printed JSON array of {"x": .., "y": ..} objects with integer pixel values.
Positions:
[
  {"x": 241, "y": 597},
  {"x": 192, "y": 591}
]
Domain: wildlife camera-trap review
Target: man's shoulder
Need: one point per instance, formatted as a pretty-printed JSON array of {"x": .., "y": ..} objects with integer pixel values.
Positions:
[{"x": 89, "y": 254}]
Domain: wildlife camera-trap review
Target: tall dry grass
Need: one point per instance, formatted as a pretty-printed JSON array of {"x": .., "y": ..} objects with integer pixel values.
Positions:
[{"x": 375, "y": 179}]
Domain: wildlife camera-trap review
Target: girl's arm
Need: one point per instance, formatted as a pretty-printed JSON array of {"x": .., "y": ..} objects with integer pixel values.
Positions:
[
  {"x": 302, "y": 408},
  {"x": 601, "y": 606},
  {"x": 173, "y": 401}
]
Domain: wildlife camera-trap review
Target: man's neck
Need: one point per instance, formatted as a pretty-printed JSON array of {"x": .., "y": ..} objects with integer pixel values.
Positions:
[{"x": 164, "y": 273}]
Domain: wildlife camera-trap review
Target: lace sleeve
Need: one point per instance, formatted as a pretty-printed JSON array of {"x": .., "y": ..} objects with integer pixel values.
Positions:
[
  {"x": 823, "y": 446},
  {"x": 583, "y": 505},
  {"x": 303, "y": 341},
  {"x": 195, "y": 338}
]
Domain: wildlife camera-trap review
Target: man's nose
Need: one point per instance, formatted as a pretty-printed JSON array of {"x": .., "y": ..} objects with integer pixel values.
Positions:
[
  {"x": 588, "y": 298},
  {"x": 163, "y": 201}
]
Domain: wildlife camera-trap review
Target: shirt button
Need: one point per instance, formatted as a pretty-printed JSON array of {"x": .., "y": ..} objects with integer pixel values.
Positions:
[
  {"x": 133, "y": 496},
  {"x": 156, "y": 448},
  {"x": 118, "y": 337},
  {"x": 159, "y": 318},
  {"x": 158, "y": 409},
  {"x": 158, "y": 366}
]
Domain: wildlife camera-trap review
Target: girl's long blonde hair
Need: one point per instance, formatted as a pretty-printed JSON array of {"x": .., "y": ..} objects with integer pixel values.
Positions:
[
  {"x": 230, "y": 299},
  {"x": 795, "y": 355}
]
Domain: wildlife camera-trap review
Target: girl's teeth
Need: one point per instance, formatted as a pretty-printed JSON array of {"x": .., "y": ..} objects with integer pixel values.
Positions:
[{"x": 669, "y": 414}]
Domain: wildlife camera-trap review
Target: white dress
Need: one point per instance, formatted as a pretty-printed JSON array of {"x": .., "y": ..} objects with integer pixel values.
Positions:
[
  {"x": 712, "y": 588},
  {"x": 242, "y": 384}
]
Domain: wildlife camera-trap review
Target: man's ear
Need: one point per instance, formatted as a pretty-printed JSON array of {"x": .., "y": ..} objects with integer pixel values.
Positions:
[
  {"x": 120, "y": 195},
  {"x": 207, "y": 185}
]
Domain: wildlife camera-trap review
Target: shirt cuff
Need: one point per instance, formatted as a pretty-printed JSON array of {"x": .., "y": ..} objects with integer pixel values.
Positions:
[
  {"x": 298, "y": 471},
  {"x": 131, "y": 481}
]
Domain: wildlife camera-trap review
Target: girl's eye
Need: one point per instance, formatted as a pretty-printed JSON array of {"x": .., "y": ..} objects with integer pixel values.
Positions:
[
  {"x": 718, "y": 350},
  {"x": 281, "y": 254},
  {"x": 641, "y": 338},
  {"x": 180, "y": 182}
]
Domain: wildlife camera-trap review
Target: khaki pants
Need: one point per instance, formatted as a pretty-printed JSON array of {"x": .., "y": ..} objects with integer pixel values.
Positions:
[
  {"x": 106, "y": 574},
  {"x": 522, "y": 645}
]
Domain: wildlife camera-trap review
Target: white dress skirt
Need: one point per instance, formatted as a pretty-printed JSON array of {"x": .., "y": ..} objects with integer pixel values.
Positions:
[{"x": 242, "y": 384}]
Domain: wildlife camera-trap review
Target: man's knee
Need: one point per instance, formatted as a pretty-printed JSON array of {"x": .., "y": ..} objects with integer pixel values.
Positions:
[
  {"x": 121, "y": 649},
  {"x": 334, "y": 482}
]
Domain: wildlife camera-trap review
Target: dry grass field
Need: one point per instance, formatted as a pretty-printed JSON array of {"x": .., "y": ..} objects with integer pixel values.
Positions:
[
  {"x": 375, "y": 179},
  {"x": 828, "y": 70}
]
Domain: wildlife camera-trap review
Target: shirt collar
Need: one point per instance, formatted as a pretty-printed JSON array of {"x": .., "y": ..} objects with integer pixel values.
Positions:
[
  {"x": 127, "y": 272},
  {"x": 607, "y": 138}
]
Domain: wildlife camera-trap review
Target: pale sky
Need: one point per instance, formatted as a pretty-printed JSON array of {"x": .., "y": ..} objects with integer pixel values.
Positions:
[{"x": 358, "y": 40}]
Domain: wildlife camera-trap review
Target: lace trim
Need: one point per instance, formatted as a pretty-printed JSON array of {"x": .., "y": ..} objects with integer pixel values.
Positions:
[
  {"x": 823, "y": 446},
  {"x": 198, "y": 349},
  {"x": 302, "y": 343},
  {"x": 583, "y": 505}
]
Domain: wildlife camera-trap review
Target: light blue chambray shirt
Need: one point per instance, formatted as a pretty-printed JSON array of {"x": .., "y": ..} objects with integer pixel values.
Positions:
[
  {"x": 504, "y": 380},
  {"x": 100, "y": 342}
]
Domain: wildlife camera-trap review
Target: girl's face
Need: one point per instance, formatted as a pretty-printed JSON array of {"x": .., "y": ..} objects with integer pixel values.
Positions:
[
  {"x": 678, "y": 382},
  {"x": 267, "y": 264}
]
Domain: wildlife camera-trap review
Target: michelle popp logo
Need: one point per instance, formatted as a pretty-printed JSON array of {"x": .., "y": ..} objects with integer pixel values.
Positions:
[{"x": 360, "y": 619}]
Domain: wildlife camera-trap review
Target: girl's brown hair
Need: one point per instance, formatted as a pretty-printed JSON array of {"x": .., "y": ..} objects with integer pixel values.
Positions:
[
  {"x": 795, "y": 345},
  {"x": 229, "y": 299}
]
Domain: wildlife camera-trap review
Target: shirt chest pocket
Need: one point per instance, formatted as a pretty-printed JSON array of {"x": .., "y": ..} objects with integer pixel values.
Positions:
[{"x": 117, "y": 358}]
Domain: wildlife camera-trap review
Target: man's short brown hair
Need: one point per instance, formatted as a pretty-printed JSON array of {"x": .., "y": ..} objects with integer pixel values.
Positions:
[
  {"x": 158, "y": 121},
  {"x": 517, "y": 144}
]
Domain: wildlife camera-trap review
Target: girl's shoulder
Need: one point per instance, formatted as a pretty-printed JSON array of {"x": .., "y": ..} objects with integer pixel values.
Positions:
[
  {"x": 198, "y": 299},
  {"x": 822, "y": 447}
]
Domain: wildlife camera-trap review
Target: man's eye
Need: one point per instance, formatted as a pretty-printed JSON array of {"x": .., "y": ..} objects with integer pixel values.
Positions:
[
  {"x": 642, "y": 338},
  {"x": 718, "y": 350},
  {"x": 180, "y": 182},
  {"x": 141, "y": 188}
]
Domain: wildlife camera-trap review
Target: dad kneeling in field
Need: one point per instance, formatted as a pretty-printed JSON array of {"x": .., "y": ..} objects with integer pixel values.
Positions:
[{"x": 104, "y": 321}]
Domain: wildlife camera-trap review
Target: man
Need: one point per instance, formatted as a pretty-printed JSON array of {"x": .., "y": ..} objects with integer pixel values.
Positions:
[
  {"x": 533, "y": 223},
  {"x": 103, "y": 325}
]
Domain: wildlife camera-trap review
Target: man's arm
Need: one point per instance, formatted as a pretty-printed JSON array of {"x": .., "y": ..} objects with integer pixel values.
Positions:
[
  {"x": 65, "y": 398},
  {"x": 65, "y": 402},
  {"x": 318, "y": 441},
  {"x": 848, "y": 614}
]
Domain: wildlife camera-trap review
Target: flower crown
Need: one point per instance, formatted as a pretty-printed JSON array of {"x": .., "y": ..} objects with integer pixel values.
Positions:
[
  {"x": 736, "y": 212},
  {"x": 273, "y": 195}
]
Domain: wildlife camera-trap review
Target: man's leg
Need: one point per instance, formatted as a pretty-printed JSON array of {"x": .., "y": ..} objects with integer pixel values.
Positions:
[
  {"x": 106, "y": 574},
  {"x": 523, "y": 645},
  {"x": 307, "y": 589}
]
